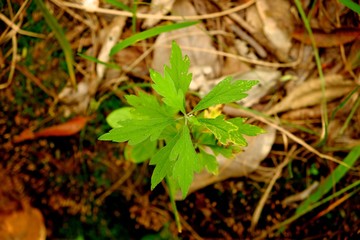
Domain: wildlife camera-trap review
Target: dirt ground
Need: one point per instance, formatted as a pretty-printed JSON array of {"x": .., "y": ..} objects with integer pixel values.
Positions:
[{"x": 58, "y": 181}]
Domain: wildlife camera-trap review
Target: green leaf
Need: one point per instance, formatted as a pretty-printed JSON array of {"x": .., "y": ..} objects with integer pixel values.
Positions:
[
  {"x": 137, "y": 130},
  {"x": 185, "y": 159},
  {"x": 148, "y": 34},
  {"x": 228, "y": 90},
  {"x": 243, "y": 129},
  {"x": 176, "y": 80},
  {"x": 209, "y": 162},
  {"x": 179, "y": 71},
  {"x": 164, "y": 165},
  {"x": 148, "y": 106},
  {"x": 119, "y": 115},
  {"x": 166, "y": 88},
  {"x": 140, "y": 152},
  {"x": 219, "y": 127}
]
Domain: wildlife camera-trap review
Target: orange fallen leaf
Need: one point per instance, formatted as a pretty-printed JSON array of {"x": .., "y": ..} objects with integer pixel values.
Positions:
[
  {"x": 68, "y": 128},
  {"x": 24, "y": 224},
  {"x": 64, "y": 129},
  {"x": 27, "y": 134},
  {"x": 335, "y": 38}
]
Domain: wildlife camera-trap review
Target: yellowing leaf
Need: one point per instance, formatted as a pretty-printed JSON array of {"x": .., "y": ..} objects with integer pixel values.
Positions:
[{"x": 219, "y": 127}]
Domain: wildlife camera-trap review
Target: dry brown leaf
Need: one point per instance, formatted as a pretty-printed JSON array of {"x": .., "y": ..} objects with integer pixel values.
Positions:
[
  {"x": 158, "y": 8},
  {"x": 69, "y": 128},
  {"x": 276, "y": 24},
  {"x": 310, "y": 94},
  {"x": 243, "y": 164},
  {"x": 323, "y": 39},
  {"x": 114, "y": 31},
  {"x": 24, "y": 224}
]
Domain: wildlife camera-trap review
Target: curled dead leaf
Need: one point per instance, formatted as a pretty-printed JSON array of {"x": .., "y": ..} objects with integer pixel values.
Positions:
[
  {"x": 323, "y": 39},
  {"x": 310, "y": 93},
  {"x": 69, "y": 128}
]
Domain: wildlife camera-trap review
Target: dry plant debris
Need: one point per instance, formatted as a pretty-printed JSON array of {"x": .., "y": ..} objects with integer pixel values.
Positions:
[{"x": 53, "y": 171}]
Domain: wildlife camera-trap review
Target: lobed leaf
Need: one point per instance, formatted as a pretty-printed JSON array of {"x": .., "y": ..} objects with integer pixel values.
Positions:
[
  {"x": 228, "y": 90},
  {"x": 162, "y": 161},
  {"x": 166, "y": 88},
  {"x": 136, "y": 130},
  {"x": 209, "y": 162},
  {"x": 148, "y": 106},
  {"x": 219, "y": 127},
  {"x": 179, "y": 71},
  {"x": 185, "y": 159}
]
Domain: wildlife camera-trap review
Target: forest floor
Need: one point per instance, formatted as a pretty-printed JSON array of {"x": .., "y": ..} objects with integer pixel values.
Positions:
[{"x": 60, "y": 182}]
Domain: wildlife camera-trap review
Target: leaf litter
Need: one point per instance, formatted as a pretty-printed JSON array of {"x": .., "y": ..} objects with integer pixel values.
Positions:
[{"x": 214, "y": 199}]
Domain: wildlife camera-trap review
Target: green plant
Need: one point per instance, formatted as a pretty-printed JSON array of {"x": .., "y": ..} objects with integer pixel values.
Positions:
[{"x": 178, "y": 140}]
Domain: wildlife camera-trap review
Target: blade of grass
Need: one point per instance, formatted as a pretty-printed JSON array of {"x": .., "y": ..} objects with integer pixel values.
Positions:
[
  {"x": 60, "y": 36},
  {"x": 344, "y": 102},
  {"x": 94, "y": 59},
  {"x": 324, "y": 115},
  {"x": 352, "y": 5},
  {"x": 330, "y": 181},
  {"x": 293, "y": 218},
  {"x": 133, "y": 19},
  {"x": 348, "y": 119},
  {"x": 148, "y": 34},
  {"x": 119, "y": 4}
]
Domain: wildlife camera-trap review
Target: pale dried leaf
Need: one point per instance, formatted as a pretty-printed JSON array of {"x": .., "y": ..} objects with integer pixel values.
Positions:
[
  {"x": 114, "y": 31},
  {"x": 243, "y": 164},
  {"x": 277, "y": 24},
  {"x": 158, "y": 8},
  {"x": 310, "y": 94},
  {"x": 90, "y": 5},
  {"x": 301, "y": 195}
]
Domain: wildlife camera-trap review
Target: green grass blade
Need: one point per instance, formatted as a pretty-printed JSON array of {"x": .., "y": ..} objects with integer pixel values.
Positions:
[
  {"x": 344, "y": 102},
  {"x": 134, "y": 18},
  {"x": 119, "y": 4},
  {"x": 352, "y": 5},
  {"x": 148, "y": 34},
  {"x": 60, "y": 36},
  {"x": 348, "y": 119},
  {"x": 330, "y": 181},
  {"x": 293, "y": 218},
  {"x": 324, "y": 115},
  {"x": 94, "y": 59}
]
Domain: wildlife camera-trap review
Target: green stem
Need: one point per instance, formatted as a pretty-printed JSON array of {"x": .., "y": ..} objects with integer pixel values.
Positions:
[
  {"x": 173, "y": 203},
  {"x": 324, "y": 115}
]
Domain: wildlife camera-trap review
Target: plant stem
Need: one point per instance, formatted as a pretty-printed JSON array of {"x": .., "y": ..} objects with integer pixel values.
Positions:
[{"x": 173, "y": 203}]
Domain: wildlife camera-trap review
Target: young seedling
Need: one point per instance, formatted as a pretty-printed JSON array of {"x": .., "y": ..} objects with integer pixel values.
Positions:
[{"x": 176, "y": 140}]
